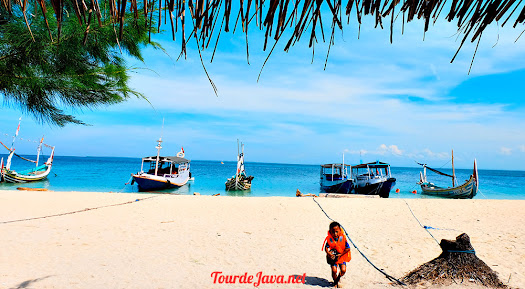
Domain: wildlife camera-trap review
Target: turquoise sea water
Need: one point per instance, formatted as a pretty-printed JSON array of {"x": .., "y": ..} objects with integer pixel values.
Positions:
[{"x": 103, "y": 174}]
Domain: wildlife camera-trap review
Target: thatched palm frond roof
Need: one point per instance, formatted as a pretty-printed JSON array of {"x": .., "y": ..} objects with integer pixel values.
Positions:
[{"x": 274, "y": 17}]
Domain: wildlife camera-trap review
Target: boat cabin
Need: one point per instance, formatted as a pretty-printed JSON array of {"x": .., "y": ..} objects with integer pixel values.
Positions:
[
  {"x": 166, "y": 165},
  {"x": 334, "y": 172},
  {"x": 370, "y": 171},
  {"x": 373, "y": 179}
]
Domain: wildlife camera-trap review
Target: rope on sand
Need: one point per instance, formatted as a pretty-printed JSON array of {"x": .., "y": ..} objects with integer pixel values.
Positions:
[
  {"x": 389, "y": 277},
  {"x": 74, "y": 212},
  {"x": 428, "y": 227},
  {"x": 424, "y": 227}
]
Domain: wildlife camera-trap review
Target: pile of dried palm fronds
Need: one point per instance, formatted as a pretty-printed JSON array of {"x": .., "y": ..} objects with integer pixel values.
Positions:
[
  {"x": 276, "y": 16},
  {"x": 457, "y": 264}
]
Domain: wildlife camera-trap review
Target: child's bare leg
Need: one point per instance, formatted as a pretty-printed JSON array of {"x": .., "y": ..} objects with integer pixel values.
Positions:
[
  {"x": 338, "y": 276},
  {"x": 334, "y": 273},
  {"x": 343, "y": 270}
]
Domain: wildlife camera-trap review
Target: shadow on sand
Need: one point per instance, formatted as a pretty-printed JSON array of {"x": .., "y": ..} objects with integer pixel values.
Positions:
[
  {"x": 316, "y": 281},
  {"x": 28, "y": 283}
]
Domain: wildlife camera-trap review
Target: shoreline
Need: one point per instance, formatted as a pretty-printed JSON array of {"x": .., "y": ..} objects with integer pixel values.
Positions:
[{"x": 101, "y": 240}]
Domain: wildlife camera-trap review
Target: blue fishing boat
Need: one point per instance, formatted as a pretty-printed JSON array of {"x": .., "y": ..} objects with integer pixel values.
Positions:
[
  {"x": 373, "y": 179},
  {"x": 335, "y": 178}
]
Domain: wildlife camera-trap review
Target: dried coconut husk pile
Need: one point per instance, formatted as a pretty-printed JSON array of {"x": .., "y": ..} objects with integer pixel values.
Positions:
[{"x": 456, "y": 264}]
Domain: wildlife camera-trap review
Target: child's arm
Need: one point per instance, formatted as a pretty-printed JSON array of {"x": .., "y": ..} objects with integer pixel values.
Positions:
[
  {"x": 329, "y": 252},
  {"x": 347, "y": 248}
]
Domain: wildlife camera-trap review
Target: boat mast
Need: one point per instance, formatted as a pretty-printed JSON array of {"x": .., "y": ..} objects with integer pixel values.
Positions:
[
  {"x": 12, "y": 150},
  {"x": 242, "y": 159},
  {"x": 453, "y": 171},
  {"x": 158, "y": 147},
  {"x": 38, "y": 151},
  {"x": 238, "y": 167},
  {"x": 475, "y": 173},
  {"x": 343, "y": 168},
  {"x": 16, "y": 133}
]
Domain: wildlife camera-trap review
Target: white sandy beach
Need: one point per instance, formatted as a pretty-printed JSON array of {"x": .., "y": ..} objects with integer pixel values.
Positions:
[{"x": 170, "y": 241}]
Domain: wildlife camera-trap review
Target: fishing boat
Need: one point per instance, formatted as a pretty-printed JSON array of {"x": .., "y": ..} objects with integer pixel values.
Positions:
[
  {"x": 466, "y": 190},
  {"x": 240, "y": 181},
  {"x": 37, "y": 173},
  {"x": 373, "y": 179},
  {"x": 159, "y": 173},
  {"x": 335, "y": 178}
]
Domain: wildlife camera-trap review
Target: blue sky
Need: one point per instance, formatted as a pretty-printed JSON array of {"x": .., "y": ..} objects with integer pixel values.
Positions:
[{"x": 395, "y": 102}]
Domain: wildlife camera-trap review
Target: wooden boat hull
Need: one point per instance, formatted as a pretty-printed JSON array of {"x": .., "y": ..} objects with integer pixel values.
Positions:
[
  {"x": 146, "y": 182},
  {"x": 343, "y": 187},
  {"x": 240, "y": 185},
  {"x": 466, "y": 191},
  {"x": 38, "y": 174},
  {"x": 381, "y": 189}
]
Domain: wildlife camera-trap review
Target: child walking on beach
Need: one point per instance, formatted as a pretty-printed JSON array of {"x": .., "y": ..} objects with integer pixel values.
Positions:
[{"x": 337, "y": 251}]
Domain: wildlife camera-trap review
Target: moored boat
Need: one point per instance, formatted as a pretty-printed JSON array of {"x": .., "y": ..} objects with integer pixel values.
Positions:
[
  {"x": 37, "y": 173},
  {"x": 159, "y": 173},
  {"x": 335, "y": 178},
  {"x": 30, "y": 175},
  {"x": 240, "y": 181},
  {"x": 466, "y": 190},
  {"x": 373, "y": 179}
]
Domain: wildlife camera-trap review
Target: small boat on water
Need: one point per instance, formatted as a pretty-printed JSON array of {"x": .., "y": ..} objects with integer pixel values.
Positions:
[
  {"x": 335, "y": 178},
  {"x": 466, "y": 190},
  {"x": 373, "y": 179},
  {"x": 159, "y": 173},
  {"x": 240, "y": 181},
  {"x": 37, "y": 173}
]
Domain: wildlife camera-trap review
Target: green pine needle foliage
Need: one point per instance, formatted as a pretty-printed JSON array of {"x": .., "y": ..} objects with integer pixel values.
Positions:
[{"x": 46, "y": 75}]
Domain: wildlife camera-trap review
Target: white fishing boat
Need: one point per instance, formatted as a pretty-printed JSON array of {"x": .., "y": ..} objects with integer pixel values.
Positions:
[
  {"x": 240, "y": 181},
  {"x": 159, "y": 173}
]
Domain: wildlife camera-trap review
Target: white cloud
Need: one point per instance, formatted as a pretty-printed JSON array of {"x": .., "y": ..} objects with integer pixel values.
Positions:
[
  {"x": 522, "y": 148},
  {"x": 395, "y": 150},
  {"x": 505, "y": 151},
  {"x": 436, "y": 155},
  {"x": 392, "y": 149},
  {"x": 357, "y": 152}
]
